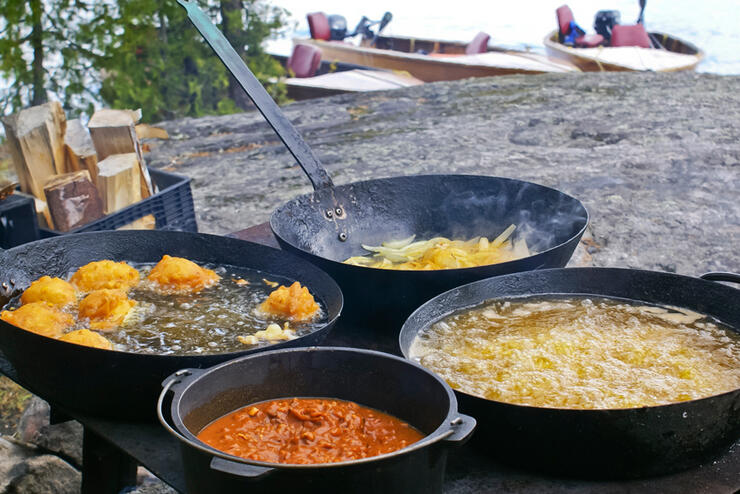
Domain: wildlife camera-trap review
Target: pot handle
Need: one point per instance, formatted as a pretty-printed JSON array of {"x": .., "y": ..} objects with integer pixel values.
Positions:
[
  {"x": 251, "y": 472},
  {"x": 461, "y": 429},
  {"x": 718, "y": 276},
  {"x": 178, "y": 377}
]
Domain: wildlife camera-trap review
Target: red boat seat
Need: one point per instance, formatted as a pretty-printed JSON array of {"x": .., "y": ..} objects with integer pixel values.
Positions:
[
  {"x": 630, "y": 35},
  {"x": 565, "y": 18},
  {"x": 478, "y": 45},
  {"x": 589, "y": 41},
  {"x": 304, "y": 61},
  {"x": 318, "y": 24}
]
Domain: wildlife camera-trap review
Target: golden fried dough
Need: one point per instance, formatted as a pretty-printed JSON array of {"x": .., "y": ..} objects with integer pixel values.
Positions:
[
  {"x": 181, "y": 275},
  {"x": 40, "y": 318},
  {"x": 105, "y": 308},
  {"x": 295, "y": 303},
  {"x": 55, "y": 291},
  {"x": 99, "y": 275},
  {"x": 87, "y": 338}
]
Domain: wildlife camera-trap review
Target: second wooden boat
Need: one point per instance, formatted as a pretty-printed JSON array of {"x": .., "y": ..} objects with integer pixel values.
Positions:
[{"x": 435, "y": 60}]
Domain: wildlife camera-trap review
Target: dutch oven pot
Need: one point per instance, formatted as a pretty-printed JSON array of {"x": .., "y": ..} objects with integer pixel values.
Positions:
[
  {"x": 377, "y": 380},
  {"x": 126, "y": 384},
  {"x": 613, "y": 443}
]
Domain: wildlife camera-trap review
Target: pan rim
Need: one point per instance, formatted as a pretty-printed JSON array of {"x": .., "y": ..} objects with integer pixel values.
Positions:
[
  {"x": 504, "y": 278},
  {"x": 328, "y": 325},
  {"x": 275, "y": 228}
]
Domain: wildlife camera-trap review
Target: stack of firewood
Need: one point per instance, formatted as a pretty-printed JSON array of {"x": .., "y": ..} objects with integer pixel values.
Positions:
[{"x": 75, "y": 173}]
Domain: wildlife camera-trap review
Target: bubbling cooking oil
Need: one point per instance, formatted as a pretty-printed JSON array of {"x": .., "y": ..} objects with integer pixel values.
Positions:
[
  {"x": 581, "y": 353},
  {"x": 206, "y": 322}
]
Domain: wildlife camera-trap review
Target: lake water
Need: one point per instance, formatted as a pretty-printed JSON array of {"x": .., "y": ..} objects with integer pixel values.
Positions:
[{"x": 712, "y": 25}]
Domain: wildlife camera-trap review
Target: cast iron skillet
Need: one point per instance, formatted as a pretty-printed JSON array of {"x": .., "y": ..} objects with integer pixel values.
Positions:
[
  {"x": 330, "y": 224},
  {"x": 615, "y": 443},
  {"x": 122, "y": 384}
]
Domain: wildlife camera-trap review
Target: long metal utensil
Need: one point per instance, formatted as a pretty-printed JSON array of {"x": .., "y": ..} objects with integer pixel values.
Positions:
[{"x": 264, "y": 103}]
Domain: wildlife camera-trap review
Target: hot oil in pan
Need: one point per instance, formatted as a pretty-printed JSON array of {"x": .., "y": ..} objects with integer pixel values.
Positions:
[
  {"x": 579, "y": 352},
  {"x": 205, "y": 322}
]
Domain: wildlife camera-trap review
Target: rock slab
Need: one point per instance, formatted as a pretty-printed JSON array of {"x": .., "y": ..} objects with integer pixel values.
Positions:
[{"x": 654, "y": 157}]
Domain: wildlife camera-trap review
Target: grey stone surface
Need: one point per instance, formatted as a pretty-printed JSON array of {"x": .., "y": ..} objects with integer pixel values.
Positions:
[
  {"x": 35, "y": 417},
  {"x": 12, "y": 458},
  {"x": 64, "y": 440},
  {"x": 655, "y": 157},
  {"x": 45, "y": 474}
]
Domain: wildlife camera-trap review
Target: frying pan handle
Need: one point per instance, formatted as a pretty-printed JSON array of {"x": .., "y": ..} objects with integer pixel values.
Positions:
[
  {"x": 462, "y": 428},
  {"x": 252, "y": 472},
  {"x": 264, "y": 103},
  {"x": 718, "y": 276}
]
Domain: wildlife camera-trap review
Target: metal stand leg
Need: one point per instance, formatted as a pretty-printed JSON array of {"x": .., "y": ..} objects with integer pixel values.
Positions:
[{"x": 105, "y": 468}]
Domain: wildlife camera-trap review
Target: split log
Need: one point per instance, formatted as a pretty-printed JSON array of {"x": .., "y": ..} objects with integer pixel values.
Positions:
[
  {"x": 80, "y": 150},
  {"x": 148, "y": 222},
  {"x": 119, "y": 181},
  {"x": 114, "y": 132},
  {"x": 36, "y": 142},
  {"x": 144, "y": 131},
  {"x": 73, "y": 200}
]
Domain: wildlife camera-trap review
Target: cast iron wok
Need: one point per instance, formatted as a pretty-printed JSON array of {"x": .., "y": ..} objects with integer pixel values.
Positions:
[
  {"x": 616, "y": 443},
  {"x": 330, "y": 224},
  {"x": 122, "y": 384}
]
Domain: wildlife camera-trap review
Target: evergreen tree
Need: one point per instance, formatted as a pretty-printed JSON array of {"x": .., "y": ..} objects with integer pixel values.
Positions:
[
  {"x": 160, "y": 63},
  {"x": 51, "y": 46},
  {"x": 130, "y": 54}
]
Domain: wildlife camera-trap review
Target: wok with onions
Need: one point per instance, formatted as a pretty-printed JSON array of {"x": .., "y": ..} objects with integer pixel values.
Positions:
[{"x": 442, "y": 253}]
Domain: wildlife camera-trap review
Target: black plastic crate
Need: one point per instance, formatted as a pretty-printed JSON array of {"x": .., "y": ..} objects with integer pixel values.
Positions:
[
  {"x": 172, "y": 208},
  {"x": 17, "y": 221}
]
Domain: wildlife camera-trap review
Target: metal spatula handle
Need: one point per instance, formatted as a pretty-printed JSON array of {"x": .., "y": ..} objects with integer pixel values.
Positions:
[{"x": 264, "y": 103}]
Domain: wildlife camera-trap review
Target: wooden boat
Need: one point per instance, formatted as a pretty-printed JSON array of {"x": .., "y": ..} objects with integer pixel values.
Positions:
[
  {"x": 675, "y": 55},
  {"x": 434, "y": 60},
  {"x": 347, "y": 81}
]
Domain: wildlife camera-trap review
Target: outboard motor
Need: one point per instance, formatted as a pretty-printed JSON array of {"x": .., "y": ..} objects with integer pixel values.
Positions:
[
  {"x": 337, "y": 27},
  {"x": 604, "y": 21}
]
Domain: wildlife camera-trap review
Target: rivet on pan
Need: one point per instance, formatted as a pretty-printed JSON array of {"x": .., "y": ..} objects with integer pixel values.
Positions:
[
  {"x": 5, "y": 285},
  {"x": 339, "y": 211},
  {"x": 12, "y": 281},
  {"x": 329, "y": 213},
  {"x": 456, "y": 421},
  {"x": 342, "y": 236}
]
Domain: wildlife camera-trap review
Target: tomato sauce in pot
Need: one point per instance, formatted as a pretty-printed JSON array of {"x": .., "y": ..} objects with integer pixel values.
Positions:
[{"x": 308, "y": 431}]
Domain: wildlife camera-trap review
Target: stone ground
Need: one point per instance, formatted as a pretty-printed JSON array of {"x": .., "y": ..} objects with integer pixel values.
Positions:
[{"x": 654, "y": 157}]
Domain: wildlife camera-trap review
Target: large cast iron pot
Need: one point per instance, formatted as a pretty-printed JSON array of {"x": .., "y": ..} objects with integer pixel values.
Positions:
[
  {"x": 381, "y": 381},
  {"x": 632, "y": 442},
  {"x": 124, "y": 384}
]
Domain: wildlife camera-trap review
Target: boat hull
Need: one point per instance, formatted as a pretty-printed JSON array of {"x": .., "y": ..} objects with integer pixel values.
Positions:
[
  {"x": 678, "y": 55},
  {"x": 446, "y": 66}
]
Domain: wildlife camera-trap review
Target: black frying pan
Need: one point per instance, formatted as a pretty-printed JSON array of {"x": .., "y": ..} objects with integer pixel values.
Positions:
[
  {"x": 123, "y": 384},
  {"x": 330, "y": 224},
  {"x": 599, "y": 443}
]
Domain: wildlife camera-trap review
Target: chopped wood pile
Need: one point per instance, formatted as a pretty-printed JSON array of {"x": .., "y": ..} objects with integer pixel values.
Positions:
[{"x": 79, "y": 173}]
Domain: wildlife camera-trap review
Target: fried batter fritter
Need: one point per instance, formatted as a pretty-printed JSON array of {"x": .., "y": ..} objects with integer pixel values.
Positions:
[
  {"x": 87, "y": 338},
  {"x": 40, "y": 318},
  {"x": 55, "y": 291},
  {"x": 181, "y": 275},
  {"x": 105, "y": 308},
  {"x": 108, "y": 274}
]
